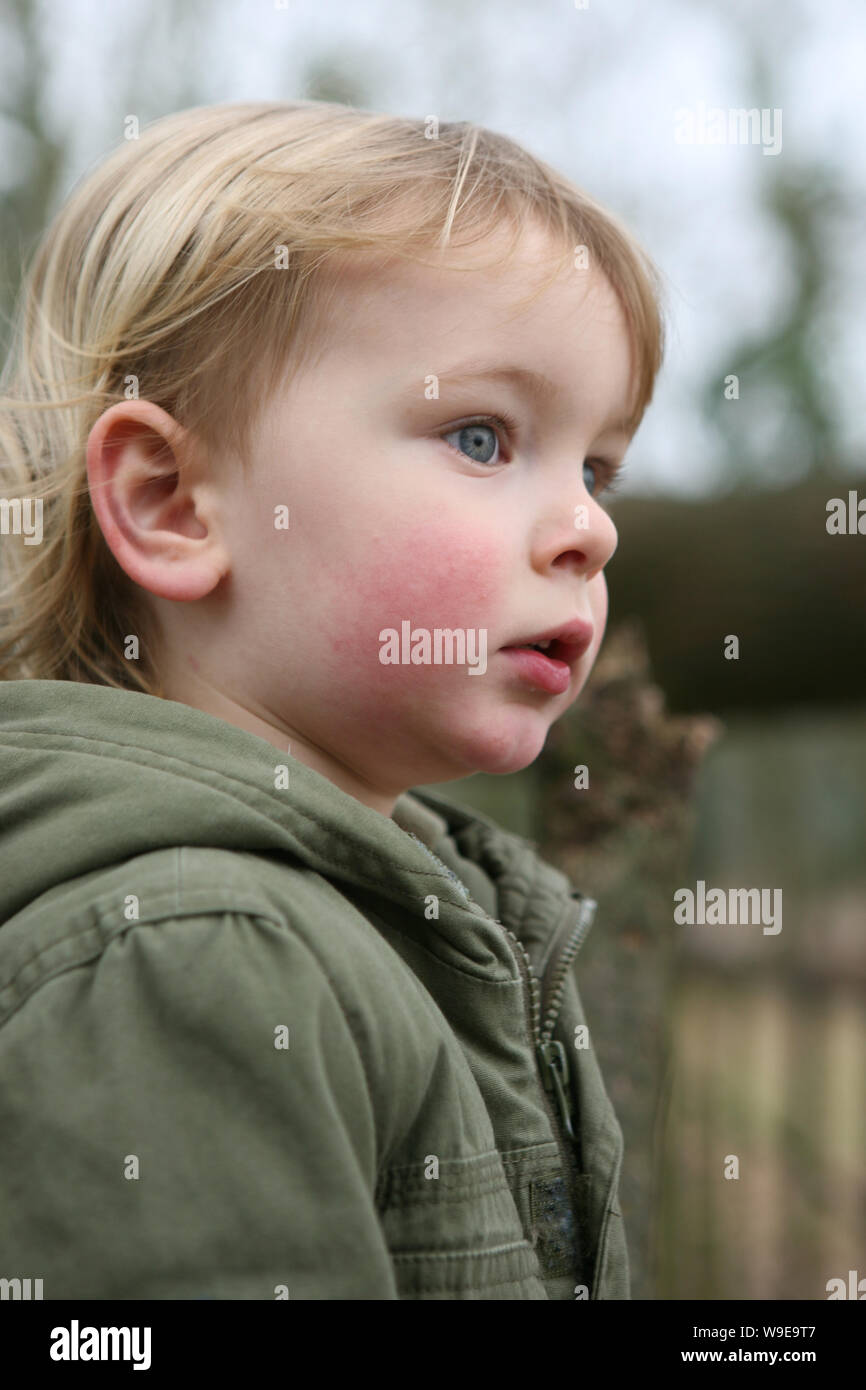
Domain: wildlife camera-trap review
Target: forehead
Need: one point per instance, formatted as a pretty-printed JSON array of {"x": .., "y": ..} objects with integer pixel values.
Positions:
[
  {"x": 498, "y": 279},
  {"x": 529, "y": 306}
]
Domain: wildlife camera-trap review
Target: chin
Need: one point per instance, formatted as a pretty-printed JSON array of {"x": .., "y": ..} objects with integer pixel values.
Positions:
[{"x": 507, "y": 745}]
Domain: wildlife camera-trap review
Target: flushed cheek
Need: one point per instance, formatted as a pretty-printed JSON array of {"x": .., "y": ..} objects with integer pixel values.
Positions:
[{"x": 427, "y": 576}]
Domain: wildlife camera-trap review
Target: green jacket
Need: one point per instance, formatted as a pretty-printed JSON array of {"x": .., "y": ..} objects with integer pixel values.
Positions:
[{"x": 258, "y": 1040}]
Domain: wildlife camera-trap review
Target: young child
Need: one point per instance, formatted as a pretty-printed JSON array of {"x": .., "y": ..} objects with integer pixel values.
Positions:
[{"x": 306, "y": 430}]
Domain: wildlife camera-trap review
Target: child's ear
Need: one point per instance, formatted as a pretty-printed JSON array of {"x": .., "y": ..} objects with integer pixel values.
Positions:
[{"x": 154, "y": 506}]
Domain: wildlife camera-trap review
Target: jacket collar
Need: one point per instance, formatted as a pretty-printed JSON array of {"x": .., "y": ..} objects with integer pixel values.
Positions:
[{"x": 92, "y": 775}]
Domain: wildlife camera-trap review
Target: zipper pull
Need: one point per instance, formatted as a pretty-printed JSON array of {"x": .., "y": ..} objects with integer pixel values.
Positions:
[{"x": 554, "y": 1074}]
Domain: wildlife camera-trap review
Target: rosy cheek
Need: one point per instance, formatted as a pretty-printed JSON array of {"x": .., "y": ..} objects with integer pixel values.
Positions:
[{"x": 431, "y": 575}]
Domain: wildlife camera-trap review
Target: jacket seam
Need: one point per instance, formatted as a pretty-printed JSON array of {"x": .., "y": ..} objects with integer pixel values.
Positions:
[
  {"x": 485, "y": 1287},
  {"x": 91, "y": 954},
  {"x": 400, "y": 1185},
  {"x": 105, "y": 939},
  {"x": 610, "y": 1198},
  {"x": 533, "y": 1161},
  {"x": 406, "y": 1257},
  {"x": 282, "y": 924},
  {"x": 463, "y": 1190}
]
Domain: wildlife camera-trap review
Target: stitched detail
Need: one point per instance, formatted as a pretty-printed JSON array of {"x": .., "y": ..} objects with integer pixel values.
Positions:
[
  {"x": 85, "y": 954},
  {"x": 163, "y": 904},
  {"x": 486, "y": 1287},
  {"x": 605, "y": 1241},
  {"x": 481, "y": 1288},
  {"x": 439, "y": 1255},
  {"x": 611, "y": 1208},
  {"x": 461, "y": 1273},
  {"x": 459, "y": 1180},
  {"x": 458, "y": 882},
  {"x": 103, "y": 936},
  {"x": 487, "y": 1158},
  {"x": 539, "y": 1160}
]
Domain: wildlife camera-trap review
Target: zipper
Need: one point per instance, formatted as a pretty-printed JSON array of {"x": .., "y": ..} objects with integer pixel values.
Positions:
[
  {"x": 555, "y": 1070},
  {"x": 558, "y": 974},
  {"x": 551, "y": 1055}
]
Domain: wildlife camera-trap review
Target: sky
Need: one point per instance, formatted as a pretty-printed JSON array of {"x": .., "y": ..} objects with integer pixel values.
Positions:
[{"x": 594, "y": 88}]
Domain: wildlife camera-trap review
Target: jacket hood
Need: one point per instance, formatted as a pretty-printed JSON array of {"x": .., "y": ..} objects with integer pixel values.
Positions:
[{"x": 91, "y": 776}]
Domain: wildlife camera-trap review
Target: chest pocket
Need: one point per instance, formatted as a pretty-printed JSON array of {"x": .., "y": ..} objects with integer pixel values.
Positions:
[{"x": 454, "y": 1232}]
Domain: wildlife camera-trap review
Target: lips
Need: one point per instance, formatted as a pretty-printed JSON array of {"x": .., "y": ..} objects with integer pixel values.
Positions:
[
  {"x": 551, "y": 670},
  {"x": 567, "y": 643}
]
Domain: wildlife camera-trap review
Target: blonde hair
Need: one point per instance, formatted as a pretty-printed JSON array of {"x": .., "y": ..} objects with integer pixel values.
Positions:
[{"x": 156, "y": 269}]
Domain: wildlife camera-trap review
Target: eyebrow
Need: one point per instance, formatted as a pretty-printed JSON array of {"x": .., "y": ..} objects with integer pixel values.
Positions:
[{"x": 525, "y": 379}]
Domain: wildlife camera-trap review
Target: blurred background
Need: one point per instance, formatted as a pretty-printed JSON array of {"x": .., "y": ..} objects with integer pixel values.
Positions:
[{"x": 714, "y": 1041}]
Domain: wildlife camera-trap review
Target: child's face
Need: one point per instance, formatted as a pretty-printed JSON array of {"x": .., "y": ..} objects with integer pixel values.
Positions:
[{"x": 389, "y": 523}]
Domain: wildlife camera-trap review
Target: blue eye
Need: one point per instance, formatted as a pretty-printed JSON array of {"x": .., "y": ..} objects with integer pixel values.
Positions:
[
  {"x": 480, "y": 441},
  {"x": 477, "y": 440},
  {"x": 611, "y": 475}
]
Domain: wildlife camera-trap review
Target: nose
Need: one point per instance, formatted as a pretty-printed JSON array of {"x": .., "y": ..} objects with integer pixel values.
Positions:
[{"x": 574, "y": 532}]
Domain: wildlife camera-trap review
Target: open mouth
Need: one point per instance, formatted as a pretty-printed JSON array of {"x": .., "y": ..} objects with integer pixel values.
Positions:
[
  {"x": 550, "y": 648},
  {"x": 548, "y": 663},
  {"x": 544, "y": 668},
  {"x": 556, "y": 649}
]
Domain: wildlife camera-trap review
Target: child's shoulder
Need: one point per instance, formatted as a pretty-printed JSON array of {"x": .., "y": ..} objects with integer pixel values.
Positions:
[{"x": 170, "y": 909}]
